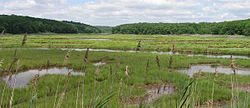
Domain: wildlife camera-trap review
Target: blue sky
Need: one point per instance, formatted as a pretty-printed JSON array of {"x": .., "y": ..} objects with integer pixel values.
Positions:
[{"x": 115, "y": 12}]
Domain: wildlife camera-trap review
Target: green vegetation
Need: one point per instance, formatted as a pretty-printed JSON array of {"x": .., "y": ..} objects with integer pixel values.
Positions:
[
  {"x": 187, "y": 44},
  {"x": 23, "y": 24},
  {"x": 98, "y": 86},
  {"x": 240, "y": 27},
  {"x": 125, "y": 79}
]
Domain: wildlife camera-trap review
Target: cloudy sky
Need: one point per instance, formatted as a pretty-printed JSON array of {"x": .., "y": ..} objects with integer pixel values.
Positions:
[{"x": 115, "y": 12}]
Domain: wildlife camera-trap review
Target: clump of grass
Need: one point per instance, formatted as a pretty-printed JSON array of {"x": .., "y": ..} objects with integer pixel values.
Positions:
[
  {"x": 10, "y": 73},
  {"x": 146, "y": 70},
  {"x": 66, "y": 57},
  {"x": 103, "y": 102},
  {"x": 63, "y": 93},
  {"x": 186, "y": 95},
  {"x": 157, "y": 60}
]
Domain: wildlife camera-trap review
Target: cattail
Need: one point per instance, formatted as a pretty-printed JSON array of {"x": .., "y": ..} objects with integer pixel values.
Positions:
[
  {"x": 126, "y": 71},
  {"x": 138, "y": 47},
  {"x": 66, "y": 57},
  {"x": 158, "y": 61},
  {"x": 173, "y": 49},
  {"x": 233, "y": 66},
  {"x": 24, "y": 39},
  {"x": 86, "y": 56}
]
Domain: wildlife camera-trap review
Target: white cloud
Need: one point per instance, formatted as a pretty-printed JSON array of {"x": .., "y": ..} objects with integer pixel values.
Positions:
[{"x": 115, "y": 12}]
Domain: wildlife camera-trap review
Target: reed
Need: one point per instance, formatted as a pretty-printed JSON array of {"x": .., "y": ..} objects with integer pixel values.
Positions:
[
  {"x": 84, "y": 70},
  {"x": 33, "y": 100},
  {"x": 63, "y": 93},
  {"x": 126, "y": 71},
  {"x": 1, "y": 65},
  {"x": 234, "y": 82},
  {"x": 13, "y": 89},
  {"x": 173, "y": 50},
  {"x": 85, "y": 59},
  {"x": 157, "y": 60},
  {"x": 138, "y": 47},
  {"x": 186, "y": 94},
  {"x": 10, "y": 73},
  {"x": 24, "y": 39}
]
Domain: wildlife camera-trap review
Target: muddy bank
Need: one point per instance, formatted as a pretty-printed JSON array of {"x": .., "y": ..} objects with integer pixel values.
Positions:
[{"x": 153, "y": 92}]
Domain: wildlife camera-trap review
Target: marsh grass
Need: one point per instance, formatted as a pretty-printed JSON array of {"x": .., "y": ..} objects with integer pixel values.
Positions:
[
  {"x": 197, "y": 44},
  {"x": 94, "y": 92}
]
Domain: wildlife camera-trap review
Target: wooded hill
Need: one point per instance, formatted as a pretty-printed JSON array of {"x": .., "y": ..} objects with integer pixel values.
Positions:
[
  {"x": 23, "y": 24},
  {"x": 239, "y": 27}
]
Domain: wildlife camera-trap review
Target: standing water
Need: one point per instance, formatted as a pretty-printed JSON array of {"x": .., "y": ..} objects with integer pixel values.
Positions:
[
  {"x": 22, "y": 79},
  {"x": 210, "y": 69}
]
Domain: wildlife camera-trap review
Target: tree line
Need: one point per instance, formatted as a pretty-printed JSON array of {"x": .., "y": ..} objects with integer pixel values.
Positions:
[
  {"x": 23, "y": 24},
  {"x": 239, "y": 27}
]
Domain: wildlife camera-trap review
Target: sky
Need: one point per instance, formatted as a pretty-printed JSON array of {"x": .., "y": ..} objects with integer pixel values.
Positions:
[{"x": 116, "y": 12}]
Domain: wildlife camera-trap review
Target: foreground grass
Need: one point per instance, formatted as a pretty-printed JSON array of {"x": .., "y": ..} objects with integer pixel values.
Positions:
[{"x": 93, "y": 88}]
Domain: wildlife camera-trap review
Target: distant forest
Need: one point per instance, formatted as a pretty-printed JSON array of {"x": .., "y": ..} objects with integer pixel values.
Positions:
[
  {"x": 23, "y": 24},
  {"x": 14, "y": 24},
  {"x": 239, "y": 27}
]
